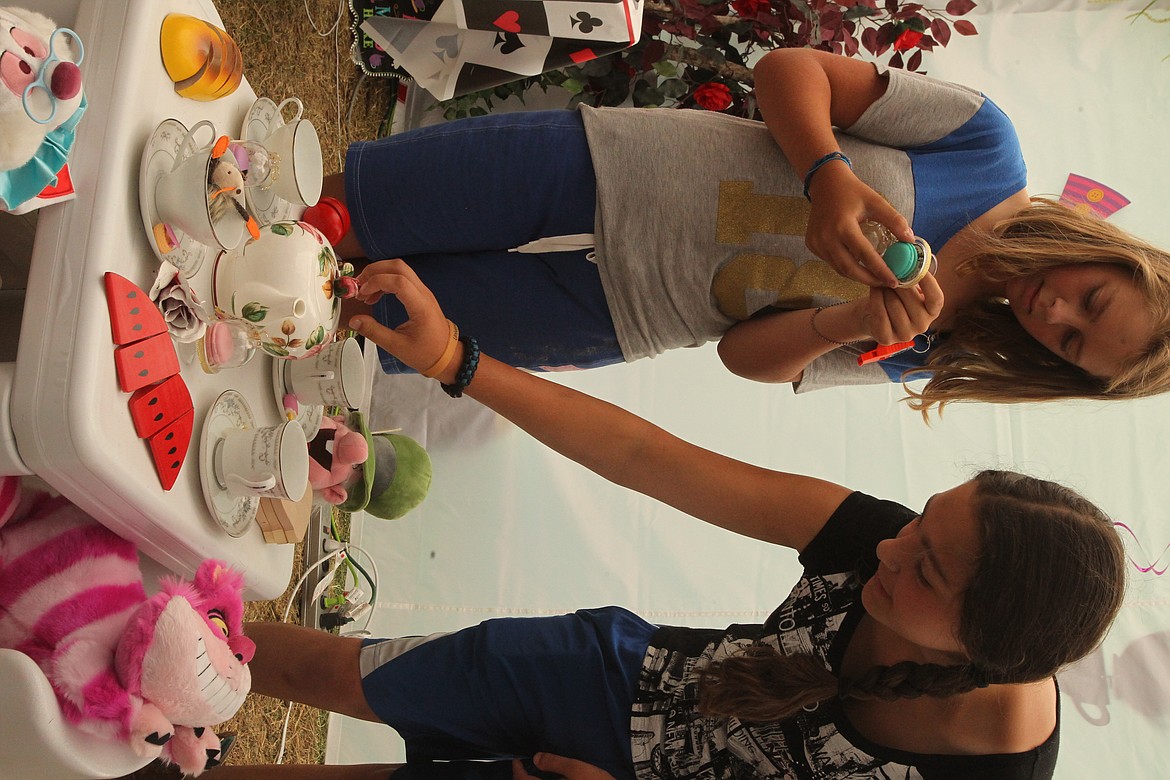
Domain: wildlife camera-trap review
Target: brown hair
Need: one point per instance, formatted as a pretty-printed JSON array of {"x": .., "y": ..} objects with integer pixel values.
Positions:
[
  {"x": 988, "y": 356},
  {"x": 1049, "y": 581}
]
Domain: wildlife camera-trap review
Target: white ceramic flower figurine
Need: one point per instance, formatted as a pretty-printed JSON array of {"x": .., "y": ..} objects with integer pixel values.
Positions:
[{"x": 181, "y": 308}]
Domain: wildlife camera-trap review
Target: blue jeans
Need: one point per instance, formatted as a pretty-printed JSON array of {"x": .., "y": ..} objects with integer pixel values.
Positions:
[
  {"x": 511, "y": 687},
  {"x": 453, "y": 198}
]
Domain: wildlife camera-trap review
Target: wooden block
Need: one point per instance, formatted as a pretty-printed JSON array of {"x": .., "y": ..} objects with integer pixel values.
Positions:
[
  {"x": 287, "y": 519},
  {"x": 133, "y": 316},
  {"x": 273, "y": 533},
  {"x": 145, "y": 362},
  {"x": 154, "y": 407},
  {"x": 169, "y": 447}
]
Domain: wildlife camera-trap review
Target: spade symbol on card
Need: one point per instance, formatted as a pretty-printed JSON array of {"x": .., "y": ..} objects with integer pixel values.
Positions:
[
  {"x": 448, "y": 46},
  {"x": 585, "y": 21},
  {"x": 508, "y": 42}
]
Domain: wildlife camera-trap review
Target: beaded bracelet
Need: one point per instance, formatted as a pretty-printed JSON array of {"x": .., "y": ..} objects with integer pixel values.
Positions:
[
  {"x": 466, "y": 370},
  {"x": 828, "y": 158},
  {"x": 445, "y": 359},
  {"x": 813, "y": 322}
]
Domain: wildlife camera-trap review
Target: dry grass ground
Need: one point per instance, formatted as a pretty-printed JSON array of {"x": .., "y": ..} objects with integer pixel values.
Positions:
[{"x": 285, "y": 56}]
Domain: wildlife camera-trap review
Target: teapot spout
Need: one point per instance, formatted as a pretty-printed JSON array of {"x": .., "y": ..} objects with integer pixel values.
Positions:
[{"x": 260, "y": 303}]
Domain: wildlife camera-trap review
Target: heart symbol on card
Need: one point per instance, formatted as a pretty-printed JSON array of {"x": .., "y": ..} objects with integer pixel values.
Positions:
[{"x": 508, "y": 21}]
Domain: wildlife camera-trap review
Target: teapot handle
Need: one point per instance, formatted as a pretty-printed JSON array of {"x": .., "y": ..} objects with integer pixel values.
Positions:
[{"x": 187, "y": 147}]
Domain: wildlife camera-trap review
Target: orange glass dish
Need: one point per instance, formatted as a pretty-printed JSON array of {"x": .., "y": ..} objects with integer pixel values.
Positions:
[{"x": 203, "y": 60}]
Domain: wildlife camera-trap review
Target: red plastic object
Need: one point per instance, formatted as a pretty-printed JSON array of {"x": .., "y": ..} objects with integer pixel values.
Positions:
[
  {"x": 133, "y": 316},
  {"x": 145, "y": 362},
  {"x": 330, "y": 216},
  {"x": 157, "y": 406},
  {"x": 883, "y": 352},
  {"x": 169, "y": 447}
]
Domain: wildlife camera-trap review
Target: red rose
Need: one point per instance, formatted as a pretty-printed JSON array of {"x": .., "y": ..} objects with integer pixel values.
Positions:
[
  {"x": 713, "y": 96},
  {"x": 907, "y": 40},
  {"x": 749, "y": 9}
]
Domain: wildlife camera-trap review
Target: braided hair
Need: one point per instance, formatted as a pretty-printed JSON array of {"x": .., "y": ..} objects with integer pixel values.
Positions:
[{"x": 1031, "y": 531}]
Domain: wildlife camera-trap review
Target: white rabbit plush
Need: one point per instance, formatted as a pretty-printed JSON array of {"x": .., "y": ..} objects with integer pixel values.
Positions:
[{"x": 41, "y": 101}]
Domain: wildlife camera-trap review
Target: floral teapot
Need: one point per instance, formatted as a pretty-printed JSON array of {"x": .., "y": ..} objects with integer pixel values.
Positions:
[{"x": 286, "y": 286}]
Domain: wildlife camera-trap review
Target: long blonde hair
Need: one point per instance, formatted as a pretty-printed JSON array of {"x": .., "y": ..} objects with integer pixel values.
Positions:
[{"x": 988, "y": 356}]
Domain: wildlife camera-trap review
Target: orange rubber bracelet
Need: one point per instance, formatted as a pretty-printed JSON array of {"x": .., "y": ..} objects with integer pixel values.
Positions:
[{"x": 448, "y": 354}]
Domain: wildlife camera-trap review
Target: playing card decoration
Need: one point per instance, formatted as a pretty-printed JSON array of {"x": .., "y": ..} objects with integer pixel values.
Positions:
[
  {"x": 1084, "y": 194},
  {"x": 147, "y": 366},
  {"x": 469, "y": 45}
]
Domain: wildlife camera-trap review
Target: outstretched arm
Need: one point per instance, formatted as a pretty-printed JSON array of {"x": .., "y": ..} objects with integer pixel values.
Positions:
[{"x": 785, "y": 509}]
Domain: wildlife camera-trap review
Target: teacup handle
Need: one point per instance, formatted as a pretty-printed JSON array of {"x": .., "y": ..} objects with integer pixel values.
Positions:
[
  {"x": 292, "y": 101},
  {"x": 267, "y": 483},
  {"x": 182, "y": 153}
]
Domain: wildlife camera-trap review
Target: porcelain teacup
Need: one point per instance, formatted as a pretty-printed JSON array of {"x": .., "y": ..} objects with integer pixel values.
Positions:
[
  {"x": 270, "y": 462},
  {"x": 295, "y": 151},
  {"x": 181, "y": 196},
  {"x": 334, "y": 376}
]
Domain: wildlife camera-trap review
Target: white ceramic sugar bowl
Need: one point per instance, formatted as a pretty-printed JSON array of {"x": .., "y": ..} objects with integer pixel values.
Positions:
[{"x": 282, "y": 285}]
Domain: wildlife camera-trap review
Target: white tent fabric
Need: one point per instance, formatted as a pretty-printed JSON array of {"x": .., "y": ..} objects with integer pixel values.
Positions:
[{"x": 511, "y": 528}]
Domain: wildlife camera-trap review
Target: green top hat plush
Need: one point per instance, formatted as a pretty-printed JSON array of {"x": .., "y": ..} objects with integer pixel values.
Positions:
[{"x": 394, "y": 478}]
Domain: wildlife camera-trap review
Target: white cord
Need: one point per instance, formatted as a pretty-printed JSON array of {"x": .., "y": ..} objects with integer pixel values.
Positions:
[
  {"x": 287, "y": 610},
  {"x": 337, "y": 21},
  {"x": 308, "y": 571},
  {"x": 333, "y": 30},
  {"x": 373, "y": 576}
]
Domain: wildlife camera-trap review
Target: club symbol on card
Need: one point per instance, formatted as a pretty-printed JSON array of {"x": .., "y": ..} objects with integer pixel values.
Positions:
[
  {"x": 586, "y": 22},
  {"x": 448, "y": 46},
  {"x": 508, "y": 42},
  {"x": 508, "y": 21}
]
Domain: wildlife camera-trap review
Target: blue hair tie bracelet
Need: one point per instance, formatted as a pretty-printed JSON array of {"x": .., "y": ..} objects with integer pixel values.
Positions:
[
  {"x": 466, "y": 369},
  {"x": 828, "y": 158}
]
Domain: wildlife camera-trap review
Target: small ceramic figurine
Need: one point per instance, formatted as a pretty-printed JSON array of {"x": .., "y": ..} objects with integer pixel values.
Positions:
[
  {"x": 225, "y": 183},
  {"x": 41, "y": 102}
]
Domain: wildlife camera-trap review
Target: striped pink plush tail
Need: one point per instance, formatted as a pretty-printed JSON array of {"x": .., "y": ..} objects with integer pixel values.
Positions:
[{"x": 9, "y": 497}]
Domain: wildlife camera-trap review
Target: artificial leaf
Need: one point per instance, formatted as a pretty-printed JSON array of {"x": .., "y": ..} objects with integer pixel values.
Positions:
[
  {"x": 941, "y": 31},
  {"x": 959, "y": 7}
]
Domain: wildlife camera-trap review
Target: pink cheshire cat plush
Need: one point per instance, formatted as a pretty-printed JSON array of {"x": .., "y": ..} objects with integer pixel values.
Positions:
[{"x": 154, "y": 672}]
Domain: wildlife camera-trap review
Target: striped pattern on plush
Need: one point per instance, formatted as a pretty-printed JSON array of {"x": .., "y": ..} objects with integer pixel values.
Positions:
[{"x": 68, "y": 587}]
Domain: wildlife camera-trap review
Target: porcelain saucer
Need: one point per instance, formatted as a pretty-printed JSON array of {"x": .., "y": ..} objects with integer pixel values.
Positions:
[
  {"x": 234, "y": 513},
  {"x": 310, "y": 415},
  {"x": 158, "y": 157},
  {"x": 262, "y": 118}
]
